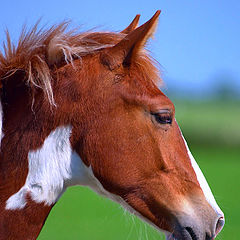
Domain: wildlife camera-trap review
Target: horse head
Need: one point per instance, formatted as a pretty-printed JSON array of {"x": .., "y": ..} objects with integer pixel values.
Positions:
[{"x": 102, "y": 122}]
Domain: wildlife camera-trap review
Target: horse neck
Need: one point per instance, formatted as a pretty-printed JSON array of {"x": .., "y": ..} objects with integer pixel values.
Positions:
[
  {"x": 24, "y": 223},
  {"x": 37, "y": 164},
  {"x": 38, "y": 160},
  {"x": 21, "y": 217}
]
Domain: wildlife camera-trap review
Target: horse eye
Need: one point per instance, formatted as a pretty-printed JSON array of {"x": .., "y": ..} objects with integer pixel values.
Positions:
[{"x": 162, "y": 117}]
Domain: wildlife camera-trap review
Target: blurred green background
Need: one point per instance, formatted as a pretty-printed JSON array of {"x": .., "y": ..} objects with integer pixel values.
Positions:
[{"x": 212, "y": 130}]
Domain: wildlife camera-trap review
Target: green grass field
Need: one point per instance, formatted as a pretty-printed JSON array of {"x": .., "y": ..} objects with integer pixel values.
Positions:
[
  {"x": 215, "y": 123},
  {"x": 81, "y": 214}
]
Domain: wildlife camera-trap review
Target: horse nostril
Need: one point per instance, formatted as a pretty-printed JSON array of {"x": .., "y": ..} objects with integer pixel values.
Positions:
[
  {"x": 191, "y": 233},
  {"x": 219, "y": 225}
]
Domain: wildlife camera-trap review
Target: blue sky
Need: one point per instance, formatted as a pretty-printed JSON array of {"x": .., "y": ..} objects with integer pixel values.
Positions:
[{"x": 197, "y": 42}]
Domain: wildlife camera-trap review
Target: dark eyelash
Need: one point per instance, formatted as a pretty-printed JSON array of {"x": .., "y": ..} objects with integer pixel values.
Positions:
[{"x": 163, "y": 118}]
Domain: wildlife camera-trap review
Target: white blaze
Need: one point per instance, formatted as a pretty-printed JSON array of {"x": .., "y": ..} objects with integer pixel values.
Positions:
[{"x": 203, "y": 182}]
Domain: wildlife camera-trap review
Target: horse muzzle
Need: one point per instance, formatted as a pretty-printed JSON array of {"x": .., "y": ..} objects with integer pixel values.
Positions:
[{"x": 192, "y": 230}]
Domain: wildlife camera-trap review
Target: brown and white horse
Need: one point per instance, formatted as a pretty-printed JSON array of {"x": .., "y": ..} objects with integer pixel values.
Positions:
[{"x": 85, "y": 109}]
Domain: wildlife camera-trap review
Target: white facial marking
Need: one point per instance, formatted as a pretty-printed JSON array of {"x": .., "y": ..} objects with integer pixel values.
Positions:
[
  {"x": 203, "y": 182},
  {"x": 187, "y": 207}
]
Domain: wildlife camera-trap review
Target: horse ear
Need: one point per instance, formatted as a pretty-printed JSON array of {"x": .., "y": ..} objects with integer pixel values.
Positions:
[
  {"x": 124, "y": 52},
  {"x": 132, "y": 25}
]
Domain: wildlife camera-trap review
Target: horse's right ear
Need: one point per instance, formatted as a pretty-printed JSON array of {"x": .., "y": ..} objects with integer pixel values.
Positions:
[{"x": 124, "y": 52}]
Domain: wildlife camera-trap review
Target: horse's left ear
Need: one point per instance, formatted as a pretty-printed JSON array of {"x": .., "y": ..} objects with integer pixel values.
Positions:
[
  {"x": 132, "y": 26},
  {"x": 124, "y": 52}
]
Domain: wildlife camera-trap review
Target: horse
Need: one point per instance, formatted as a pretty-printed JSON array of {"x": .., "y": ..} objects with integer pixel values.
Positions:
[{"x": 85, "y": 108}]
